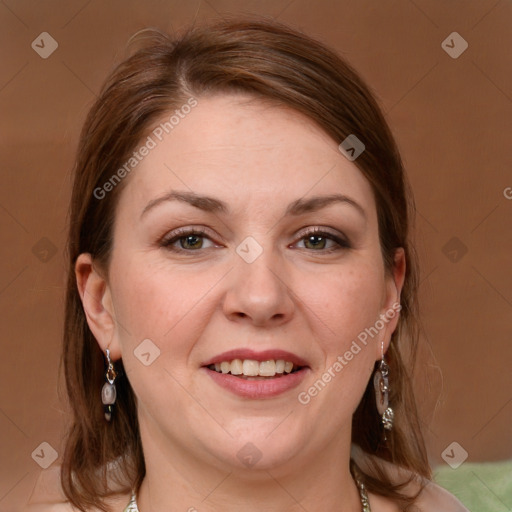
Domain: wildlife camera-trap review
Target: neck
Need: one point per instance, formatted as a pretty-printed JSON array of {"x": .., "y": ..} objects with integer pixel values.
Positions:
[{"x": 177, "y": 481}]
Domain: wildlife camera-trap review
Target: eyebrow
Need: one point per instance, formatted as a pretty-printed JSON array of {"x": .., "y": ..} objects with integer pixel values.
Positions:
[{"x": 297, "y": 207}]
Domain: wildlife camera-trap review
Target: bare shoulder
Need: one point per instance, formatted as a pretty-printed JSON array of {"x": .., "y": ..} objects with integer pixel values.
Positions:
[
  {"x": 432, "y": 498},
  {"x": 381, "y": 504}
]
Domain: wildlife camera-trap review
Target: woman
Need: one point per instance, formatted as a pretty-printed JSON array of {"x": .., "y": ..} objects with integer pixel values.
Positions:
[{"x": 241, "y": 286}]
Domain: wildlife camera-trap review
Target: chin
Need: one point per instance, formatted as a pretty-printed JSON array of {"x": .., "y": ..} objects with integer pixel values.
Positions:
[{"x": 259, "y": 452}]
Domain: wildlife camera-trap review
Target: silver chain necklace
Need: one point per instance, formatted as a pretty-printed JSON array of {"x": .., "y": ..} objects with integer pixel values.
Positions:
[{"x": 132, "y": 506}]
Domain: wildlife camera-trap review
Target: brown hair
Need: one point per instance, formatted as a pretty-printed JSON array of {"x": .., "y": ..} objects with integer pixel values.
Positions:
[{"x": 270, "y": 61}]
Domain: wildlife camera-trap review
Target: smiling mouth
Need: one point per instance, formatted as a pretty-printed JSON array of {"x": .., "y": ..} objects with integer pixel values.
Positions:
[{"x": 250, "y": 369}]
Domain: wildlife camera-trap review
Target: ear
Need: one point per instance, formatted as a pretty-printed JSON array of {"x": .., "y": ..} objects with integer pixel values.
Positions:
[
  {"x": 390, "y": 312},
  {"x": 97, "y": 303}
]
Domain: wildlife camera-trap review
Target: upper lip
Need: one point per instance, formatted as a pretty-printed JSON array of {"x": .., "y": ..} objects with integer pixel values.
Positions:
[{"x": 265, "y": 355}]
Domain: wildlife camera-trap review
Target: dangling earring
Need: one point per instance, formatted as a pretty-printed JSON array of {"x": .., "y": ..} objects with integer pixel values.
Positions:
[
  {"x": 108, "y": 392},
  {"x": 381, "y": 385}
]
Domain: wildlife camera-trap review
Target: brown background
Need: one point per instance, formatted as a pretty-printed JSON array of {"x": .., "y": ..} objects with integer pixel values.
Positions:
[{"x": 452, "y": 119}]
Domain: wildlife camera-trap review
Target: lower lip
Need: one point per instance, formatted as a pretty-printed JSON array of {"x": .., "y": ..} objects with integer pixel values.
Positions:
[{"x": 257, "y": 389}]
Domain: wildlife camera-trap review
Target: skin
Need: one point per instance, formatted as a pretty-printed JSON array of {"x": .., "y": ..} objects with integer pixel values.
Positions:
[{"x": 193, "y": 305}]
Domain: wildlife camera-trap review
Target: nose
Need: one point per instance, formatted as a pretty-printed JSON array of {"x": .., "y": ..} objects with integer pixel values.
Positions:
[{"x": 258, "y": 293}]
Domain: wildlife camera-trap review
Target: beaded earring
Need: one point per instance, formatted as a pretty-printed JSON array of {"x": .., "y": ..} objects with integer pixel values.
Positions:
[
  {"x": 381, "y": 385},
  {"x": 108, "y": 392}
]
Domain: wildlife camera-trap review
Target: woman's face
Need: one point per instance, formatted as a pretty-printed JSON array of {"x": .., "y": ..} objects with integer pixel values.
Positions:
[{"x": 251, "y": 182}]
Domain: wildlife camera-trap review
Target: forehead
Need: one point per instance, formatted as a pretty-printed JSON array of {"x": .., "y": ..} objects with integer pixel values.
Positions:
[{"x": 245, "y": 151}]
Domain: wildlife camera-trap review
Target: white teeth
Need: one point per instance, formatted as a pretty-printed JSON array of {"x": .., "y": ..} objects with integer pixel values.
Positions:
[
  {"x": 267, "y": 368},
  {"x": 253, "y": 368},
  {"x": 236, "y": 367}
]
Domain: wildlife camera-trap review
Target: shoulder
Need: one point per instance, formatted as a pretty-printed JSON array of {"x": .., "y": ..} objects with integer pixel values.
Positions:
[
  {"x": 379, "y": 503},
  {"x": 48, "y": 496},
  {"x": 432, "y": 498}
]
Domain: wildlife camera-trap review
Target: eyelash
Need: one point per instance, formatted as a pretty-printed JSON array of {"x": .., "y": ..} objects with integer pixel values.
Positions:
[{"x": 181, "y": 233}]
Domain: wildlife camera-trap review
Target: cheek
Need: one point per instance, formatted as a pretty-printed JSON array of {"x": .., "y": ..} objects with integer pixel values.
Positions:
[
  {"x": 158, "y": 301},
  {"x": 341, "y": 311},
  {"x": 343, "y": 303}
]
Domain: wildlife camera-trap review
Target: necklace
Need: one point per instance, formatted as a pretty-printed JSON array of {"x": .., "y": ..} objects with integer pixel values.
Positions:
[{"x": 365, "y": 502}]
